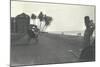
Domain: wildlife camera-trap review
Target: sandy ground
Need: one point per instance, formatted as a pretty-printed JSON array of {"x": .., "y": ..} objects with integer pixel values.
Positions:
[{"x": 50, "y": 48}]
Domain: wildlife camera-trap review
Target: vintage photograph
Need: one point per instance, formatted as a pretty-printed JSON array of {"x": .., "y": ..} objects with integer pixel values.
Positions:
[{"x": 51, "y": 33}]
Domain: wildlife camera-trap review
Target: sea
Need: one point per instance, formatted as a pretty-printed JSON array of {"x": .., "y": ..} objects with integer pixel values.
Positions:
[{"x": 75, "y": 33}]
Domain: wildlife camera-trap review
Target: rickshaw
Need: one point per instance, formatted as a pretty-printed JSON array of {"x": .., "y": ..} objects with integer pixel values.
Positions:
[{"x": 33, "y": 32}]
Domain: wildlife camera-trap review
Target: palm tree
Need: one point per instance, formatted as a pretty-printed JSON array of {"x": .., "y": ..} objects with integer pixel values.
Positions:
[
  {"x": 41, "y": 18},
  {"x": 33, "y": 16},
  {"x": 47, "y": 20}
]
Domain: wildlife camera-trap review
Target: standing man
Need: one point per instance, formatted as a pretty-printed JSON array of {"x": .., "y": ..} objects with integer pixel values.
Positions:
[
  {"x": 90, "y": 26},
  {"x": 88, "y": 52}
]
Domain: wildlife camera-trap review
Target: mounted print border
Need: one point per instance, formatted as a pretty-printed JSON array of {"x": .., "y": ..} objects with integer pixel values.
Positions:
[{"x": 51, "y": 33}]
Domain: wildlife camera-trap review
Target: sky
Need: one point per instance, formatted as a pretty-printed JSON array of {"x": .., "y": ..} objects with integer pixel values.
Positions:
[{"x": 65, "y": 17}]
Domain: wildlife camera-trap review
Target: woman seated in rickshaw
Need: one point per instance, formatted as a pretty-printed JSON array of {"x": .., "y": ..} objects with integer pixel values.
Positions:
[{"x": 33, "y": 32}]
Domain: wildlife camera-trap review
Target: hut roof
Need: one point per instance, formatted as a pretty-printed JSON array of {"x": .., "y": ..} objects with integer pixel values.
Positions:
[{"x": 22, "y": 15}]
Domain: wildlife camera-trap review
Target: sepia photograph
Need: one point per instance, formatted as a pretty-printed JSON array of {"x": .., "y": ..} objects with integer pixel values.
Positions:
[{"x": 51, "y": 33}]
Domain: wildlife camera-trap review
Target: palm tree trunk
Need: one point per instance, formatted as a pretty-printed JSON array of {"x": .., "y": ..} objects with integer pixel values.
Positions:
[
  {"x": 43, "y": 28},
  {"x": 40, "y": 25},
  {"x": 33, "y": 21}
]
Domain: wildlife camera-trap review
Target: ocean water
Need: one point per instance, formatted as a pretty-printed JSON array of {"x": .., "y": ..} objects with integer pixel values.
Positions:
[{"x": 76, "y": 33}]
